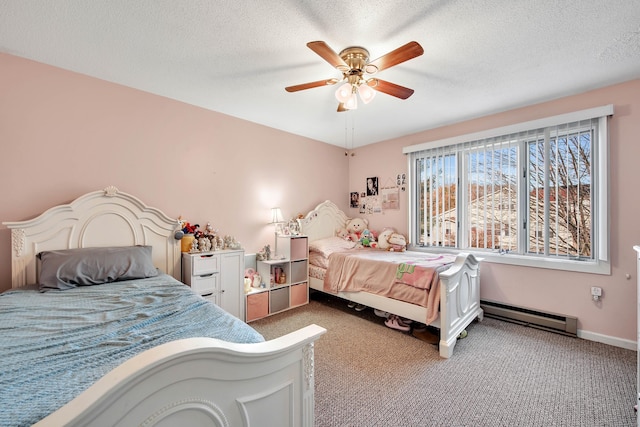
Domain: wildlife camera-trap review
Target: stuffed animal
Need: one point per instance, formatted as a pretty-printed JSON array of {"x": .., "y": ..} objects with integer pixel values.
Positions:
[
  {"x": 355, "y": 227},
  {"x": 383, "y": 239},
  {"x": 366, "y": 239},
  {"x": 398, "y": 242},
  {"x": 342, "y": 233}
]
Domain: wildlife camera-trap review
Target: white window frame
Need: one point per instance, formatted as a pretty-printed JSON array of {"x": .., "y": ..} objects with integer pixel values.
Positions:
[{"x": 601, "y": 263}]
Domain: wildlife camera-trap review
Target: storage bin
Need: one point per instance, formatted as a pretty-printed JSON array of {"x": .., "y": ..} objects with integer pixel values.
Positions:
[
  {"x": 298, "y": 271},
  {"x": 279, "y": 299},
  {"x": 299, "y": 294},
  {"x": 257, "y": 306}
]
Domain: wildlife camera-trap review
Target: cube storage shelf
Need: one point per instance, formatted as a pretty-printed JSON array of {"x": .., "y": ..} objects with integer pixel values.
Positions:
[{"x": 286, "y": 280}]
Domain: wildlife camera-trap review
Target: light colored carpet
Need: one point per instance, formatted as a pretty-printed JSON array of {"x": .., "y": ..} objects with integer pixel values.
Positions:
[{"x": 502, "y": 374}]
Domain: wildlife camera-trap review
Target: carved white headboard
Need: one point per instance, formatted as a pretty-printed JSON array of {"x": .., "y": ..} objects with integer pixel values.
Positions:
[
  {"x": 323, "y": 221},
  {"x": 101, "y": 218}
]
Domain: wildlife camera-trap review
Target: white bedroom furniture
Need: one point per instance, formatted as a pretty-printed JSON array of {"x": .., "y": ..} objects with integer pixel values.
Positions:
[
  {"x": 217, "y": 276},
  {"x": 193, "y": 381},
  {"x": 290, "y": 274},
  {"x": 459, "y": 299}
]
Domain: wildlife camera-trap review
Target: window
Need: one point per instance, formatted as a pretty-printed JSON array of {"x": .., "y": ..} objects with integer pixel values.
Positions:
[{"x": 532, "y": 194}]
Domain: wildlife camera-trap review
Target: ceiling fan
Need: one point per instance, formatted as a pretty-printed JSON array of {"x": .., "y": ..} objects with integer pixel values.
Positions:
[{"x": 353, "y": 63}]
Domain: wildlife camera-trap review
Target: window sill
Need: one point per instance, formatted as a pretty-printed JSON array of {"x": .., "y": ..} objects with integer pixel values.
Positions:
[{"x": 592, "y": 267}]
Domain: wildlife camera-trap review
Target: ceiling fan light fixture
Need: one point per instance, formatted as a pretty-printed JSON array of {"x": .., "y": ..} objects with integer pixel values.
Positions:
[
  {"x": 352, "y": 102},
  {"x": 366, "y": 93},
  {"x": 353, "y": 62},
  {"x": 344, "y": 92}
]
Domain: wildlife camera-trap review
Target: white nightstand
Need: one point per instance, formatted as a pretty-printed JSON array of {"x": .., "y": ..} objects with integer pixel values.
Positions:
[{"x": 218, "y": 276}]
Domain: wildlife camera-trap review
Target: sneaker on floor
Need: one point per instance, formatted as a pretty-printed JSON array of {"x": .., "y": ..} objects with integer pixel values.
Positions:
[
  {"x": 351, "y": 304},
  {"x": 381, "y": 313},
  {"x": 394, "y": 323},
  {"x": 360, "y": 307}
]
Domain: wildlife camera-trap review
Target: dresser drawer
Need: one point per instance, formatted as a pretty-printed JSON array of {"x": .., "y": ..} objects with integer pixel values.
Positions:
[
  {"x": 213, "y": 298},
  {"x": 205, "y": 284},
  {"x": 204, "y": 264}
]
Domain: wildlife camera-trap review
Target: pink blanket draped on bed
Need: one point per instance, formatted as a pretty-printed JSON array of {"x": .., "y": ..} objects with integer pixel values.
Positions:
[{"x": 407, "y": 276}]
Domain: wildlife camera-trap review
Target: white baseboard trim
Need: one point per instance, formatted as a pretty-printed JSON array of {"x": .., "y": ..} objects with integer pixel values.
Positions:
[{"x": 606, "y": 339}]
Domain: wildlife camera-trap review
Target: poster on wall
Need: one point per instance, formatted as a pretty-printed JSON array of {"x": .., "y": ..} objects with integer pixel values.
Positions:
[
  {"x": 390, "y": 198},
  {"x": 372, "y": 186},
  {"x": 354, "y": 199},
  {"x": 370, "y": 205}
]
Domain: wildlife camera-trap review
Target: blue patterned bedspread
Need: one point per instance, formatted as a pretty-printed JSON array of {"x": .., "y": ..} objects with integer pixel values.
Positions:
[{"x": 54, "y": 345}]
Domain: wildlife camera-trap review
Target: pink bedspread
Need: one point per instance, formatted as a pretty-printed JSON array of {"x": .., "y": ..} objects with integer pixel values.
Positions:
[{"x": 406, "y": 276}]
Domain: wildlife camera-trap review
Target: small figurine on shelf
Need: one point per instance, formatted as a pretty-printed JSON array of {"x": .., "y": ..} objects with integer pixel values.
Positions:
[
  {"x": 264, "y": 254},
  {"x": 204, "y": 244},
  {"x": 230, "y": 242},
  {"x": 194, "y": 245}
]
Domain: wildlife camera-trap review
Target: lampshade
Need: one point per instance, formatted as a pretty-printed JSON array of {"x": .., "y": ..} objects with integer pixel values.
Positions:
[
  {"x": 352, "y": 102},
  {"x": 276, "y": 216},
  {"x": 343, "y": 93},
  {"x": 366, "y": 93}
]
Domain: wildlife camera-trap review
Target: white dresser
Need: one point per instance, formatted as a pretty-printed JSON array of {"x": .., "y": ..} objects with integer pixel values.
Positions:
[{"x": 218, "y": 276}]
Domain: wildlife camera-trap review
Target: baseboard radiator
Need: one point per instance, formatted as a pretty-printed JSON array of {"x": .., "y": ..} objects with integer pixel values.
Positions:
[{"x": 553, "y": 322}]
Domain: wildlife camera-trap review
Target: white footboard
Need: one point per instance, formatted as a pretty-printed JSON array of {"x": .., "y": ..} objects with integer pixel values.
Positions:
[
  {"x": 459, "y": 300},
  {"x": 204, "y": 381}
]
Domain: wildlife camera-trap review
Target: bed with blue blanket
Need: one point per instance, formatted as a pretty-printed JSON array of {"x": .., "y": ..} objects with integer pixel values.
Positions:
[
  {"x": 97, "y": 331},
  {"x": 57, "y": 343}
]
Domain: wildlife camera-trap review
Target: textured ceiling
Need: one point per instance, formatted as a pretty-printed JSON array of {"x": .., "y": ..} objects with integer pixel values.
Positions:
[{"x": 236, "y": 56}]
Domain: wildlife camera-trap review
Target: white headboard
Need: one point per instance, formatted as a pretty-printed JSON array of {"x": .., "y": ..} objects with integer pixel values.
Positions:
[
  {"x": 101, "y": 218},
  {"x": 323, "y": 221}
]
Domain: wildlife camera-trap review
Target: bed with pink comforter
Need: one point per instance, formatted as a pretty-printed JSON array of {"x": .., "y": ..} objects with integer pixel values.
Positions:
[
  {"x": 442, "y": 290},
  {"x": 406, "y": 276}
]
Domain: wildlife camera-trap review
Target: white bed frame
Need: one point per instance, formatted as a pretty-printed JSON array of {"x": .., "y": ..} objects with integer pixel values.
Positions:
[
  {"x": 459, "y": 292},
  {"x": 190, "y": 382}
]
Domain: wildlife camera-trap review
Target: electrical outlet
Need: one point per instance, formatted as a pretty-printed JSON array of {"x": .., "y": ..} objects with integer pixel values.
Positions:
[{"x": 596, "y": 293}]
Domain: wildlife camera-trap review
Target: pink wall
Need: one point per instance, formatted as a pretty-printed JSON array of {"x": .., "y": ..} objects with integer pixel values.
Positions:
[
  {"x": 63, "y": 134},
  {"x": 550, "y": 290}
]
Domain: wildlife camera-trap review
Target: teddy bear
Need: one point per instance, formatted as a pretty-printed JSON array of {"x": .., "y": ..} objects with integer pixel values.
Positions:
[
  {"x": 342, "y": 233},
  {"x": 398, "y": 242},
  {"x": 383, "y": 239},
  {"x": 355, "y": 227}
]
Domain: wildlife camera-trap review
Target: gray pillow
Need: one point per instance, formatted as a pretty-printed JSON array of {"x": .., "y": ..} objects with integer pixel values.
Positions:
[{"x": 69, "y": 268}]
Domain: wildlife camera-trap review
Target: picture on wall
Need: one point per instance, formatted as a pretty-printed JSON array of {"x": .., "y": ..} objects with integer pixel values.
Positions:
[
  {"x": 372, "y": 186},
  {"x": 355, "y": 199},
  {"x": 390, "y": 198}
]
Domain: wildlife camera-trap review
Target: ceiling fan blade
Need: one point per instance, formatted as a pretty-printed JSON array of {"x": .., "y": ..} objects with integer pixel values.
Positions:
[
  {"x": 341, "y": 107},
  {"x": 328, "y": 54},
  {"x": 390, "y": 88},
  {"x": 395, "y": 57},
  {"x": 311, "y": 85}
]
